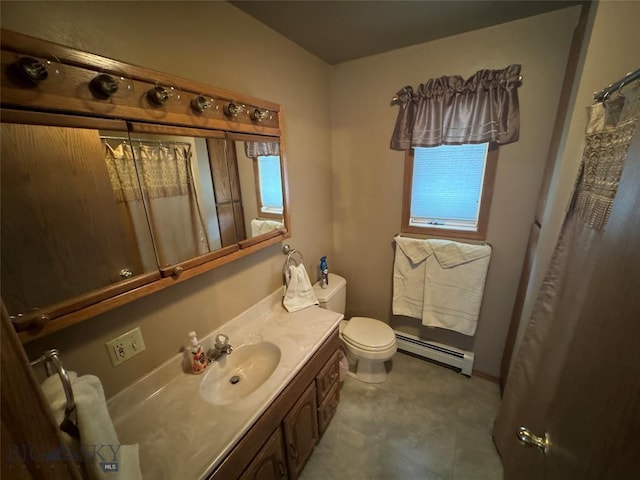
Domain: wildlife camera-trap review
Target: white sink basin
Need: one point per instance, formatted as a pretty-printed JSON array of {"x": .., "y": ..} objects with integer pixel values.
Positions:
[{"x": 233, "y": 377}]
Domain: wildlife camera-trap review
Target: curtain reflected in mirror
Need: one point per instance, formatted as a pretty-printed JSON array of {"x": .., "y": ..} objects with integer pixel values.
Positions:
[
  {"x": 178, "y": 199},
  {"x": 260, "y": 172}
]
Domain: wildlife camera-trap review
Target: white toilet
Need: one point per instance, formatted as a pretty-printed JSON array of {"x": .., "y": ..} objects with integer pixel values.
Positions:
[{"x": 368, "y": 342}]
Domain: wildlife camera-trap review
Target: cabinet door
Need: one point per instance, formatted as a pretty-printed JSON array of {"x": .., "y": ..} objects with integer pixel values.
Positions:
[
  {"x": 65, "y": 231},
  {"x": 327, "y": 408},
  {"x": 301, "y": 431},
  {"x": 269, "y": 463},
  {"x": 328, "y": 377}
]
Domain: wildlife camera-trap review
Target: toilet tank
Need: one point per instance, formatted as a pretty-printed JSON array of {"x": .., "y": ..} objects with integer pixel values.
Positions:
[{"x": 334, "y": 297}]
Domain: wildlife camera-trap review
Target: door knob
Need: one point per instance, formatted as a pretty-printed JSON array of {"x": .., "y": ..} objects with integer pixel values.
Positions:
[{"x": 528, "y": 439}]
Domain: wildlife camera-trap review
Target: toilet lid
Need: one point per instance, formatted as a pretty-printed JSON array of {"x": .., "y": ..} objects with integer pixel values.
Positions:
[{"x": 368, "y": 334}]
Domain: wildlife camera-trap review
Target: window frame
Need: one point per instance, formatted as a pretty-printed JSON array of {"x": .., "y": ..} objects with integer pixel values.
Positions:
[
  {"x": 256, "y": 177},
  {"x": 480, "y": 233}
]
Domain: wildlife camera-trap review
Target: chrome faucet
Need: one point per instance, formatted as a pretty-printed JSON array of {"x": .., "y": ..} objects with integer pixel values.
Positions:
[{"x": 221, "y": 347}]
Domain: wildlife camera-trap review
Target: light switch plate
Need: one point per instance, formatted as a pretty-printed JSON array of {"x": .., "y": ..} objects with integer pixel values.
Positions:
[{"x": 125, "y": 346}]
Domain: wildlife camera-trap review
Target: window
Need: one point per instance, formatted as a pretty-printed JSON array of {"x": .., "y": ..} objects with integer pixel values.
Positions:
[
  {"x": 269, "y": 185},
  {"x": 448, "y": 189}
]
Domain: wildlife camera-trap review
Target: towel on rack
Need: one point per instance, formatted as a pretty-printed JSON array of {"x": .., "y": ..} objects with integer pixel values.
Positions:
[
  {"x": 260, "y": 226},
  {"x": 96, "y": 428},
  {"x": 440, "y": 282},
  {"x": 409, "y": 275},
  {"x": 454, "y": 284},
  {"x": 299, "y": 294}
]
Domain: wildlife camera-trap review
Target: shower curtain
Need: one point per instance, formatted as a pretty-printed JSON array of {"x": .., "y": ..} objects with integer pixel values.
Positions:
[
  {"x": 533, "y": 379},
  {"x": 168, "y": 205}
]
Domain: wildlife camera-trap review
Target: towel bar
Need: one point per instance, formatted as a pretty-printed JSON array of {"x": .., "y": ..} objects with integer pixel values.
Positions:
[
  {"x": 52, "y": 357},
  {"x": 419, "y": 236},
  {"x": 289, "y": 252}
]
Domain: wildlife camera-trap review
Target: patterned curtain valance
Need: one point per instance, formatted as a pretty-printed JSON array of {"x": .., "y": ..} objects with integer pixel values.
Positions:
[
  {"x": 452, "y": 111},
  {"x": 261, "y": 149}
]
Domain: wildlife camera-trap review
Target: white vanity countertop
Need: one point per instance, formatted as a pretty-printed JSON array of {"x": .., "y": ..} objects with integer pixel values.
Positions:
[{"x": 181, "y": 436}]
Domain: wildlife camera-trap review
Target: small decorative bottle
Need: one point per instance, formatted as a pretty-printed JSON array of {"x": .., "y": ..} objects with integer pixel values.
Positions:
[{"x": 198, "y": 358}]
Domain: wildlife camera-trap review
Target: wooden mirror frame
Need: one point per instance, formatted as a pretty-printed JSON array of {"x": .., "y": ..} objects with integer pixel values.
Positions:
[{"x": 73, "y": 96}]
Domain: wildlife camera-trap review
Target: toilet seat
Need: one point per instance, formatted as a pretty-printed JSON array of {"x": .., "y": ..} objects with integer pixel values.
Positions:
[{"x": 369, "y": 334}]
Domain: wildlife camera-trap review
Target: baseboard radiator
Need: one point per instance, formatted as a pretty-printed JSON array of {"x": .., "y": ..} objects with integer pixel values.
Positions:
[{"x": 439, "y": 352}]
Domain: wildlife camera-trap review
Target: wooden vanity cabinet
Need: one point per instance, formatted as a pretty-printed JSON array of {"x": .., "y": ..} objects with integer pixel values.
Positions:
[
  {"x": 327, "y": 391},
  {"x": 301, "y": 431},
  {"x": 292, "y": 417},
  {"x": 269, "y": 463},
  {"x": 327, "y": 409}
]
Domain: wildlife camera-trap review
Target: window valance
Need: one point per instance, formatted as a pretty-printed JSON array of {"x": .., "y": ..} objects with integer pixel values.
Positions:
[
  {"x": 453, "y": 111},
  {"x": 261, "y": 149}
]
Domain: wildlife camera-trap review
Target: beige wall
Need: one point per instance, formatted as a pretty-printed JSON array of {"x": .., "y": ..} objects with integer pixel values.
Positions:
[
  {"x": 212, "y": 42},
  {"x": 367, "y": 184},
  {"x": 613, "y": 50}
]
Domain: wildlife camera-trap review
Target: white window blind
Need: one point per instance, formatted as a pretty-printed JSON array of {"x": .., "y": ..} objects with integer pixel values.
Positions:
[
  {"x": 447, "y": 186},
  {"x": 270, "y": 183}
]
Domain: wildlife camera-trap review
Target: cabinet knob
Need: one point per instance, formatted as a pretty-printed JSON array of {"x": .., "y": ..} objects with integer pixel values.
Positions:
[
  {"x": 126, "y": 273},
  {"x": 41, "y": 320},
  {"x": 177, "y": 271}
]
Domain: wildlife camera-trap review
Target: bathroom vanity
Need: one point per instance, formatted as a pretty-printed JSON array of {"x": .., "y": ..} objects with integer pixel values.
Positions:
[
  {"x": 283, "y": 439},
  {"x": 186, "y": 430}
]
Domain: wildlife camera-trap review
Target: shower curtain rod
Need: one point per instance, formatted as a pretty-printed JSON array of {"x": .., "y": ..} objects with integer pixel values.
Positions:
[
  {"x": 125, "y": 139},
  {"x": 603, "y": 94}
]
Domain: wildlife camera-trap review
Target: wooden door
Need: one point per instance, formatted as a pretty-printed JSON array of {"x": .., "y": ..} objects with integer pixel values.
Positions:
[
  {"x": 301, "y": 431},
  {"x": 28, "y": 430},
  {"x": 226, "y": 183},
  {"x": 594, "y": 419},
  {"x": 269, "y": 462}
]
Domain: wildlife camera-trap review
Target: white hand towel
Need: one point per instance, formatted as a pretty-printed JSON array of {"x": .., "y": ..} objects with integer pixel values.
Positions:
[
  {"x": 440, "y": 282},
  {"x": 299, "y": 293},
  {"x": 454, "y": 285},
  {"x": 451, "y": 254},
  {"x": 260, "y": 226},
  {"x": 98, "y": 439},
  {"x": 409, "y": 276}
]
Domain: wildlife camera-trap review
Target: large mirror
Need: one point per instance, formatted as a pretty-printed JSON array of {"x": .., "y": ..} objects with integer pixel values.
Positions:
[
  {"x": 93, "y": 208},
  {"x": 260, "y": 176},
  {"x": 72, "y": 228}
]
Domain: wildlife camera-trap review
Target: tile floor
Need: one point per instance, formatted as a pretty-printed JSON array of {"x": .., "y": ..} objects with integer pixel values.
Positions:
[{"x": 426, "y": 422}]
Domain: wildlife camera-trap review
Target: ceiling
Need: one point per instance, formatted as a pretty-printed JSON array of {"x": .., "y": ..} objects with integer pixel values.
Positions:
[{"x": 338, "y": 31}]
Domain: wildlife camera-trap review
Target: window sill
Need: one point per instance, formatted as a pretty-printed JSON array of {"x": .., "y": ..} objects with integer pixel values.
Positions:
[{"x": 446, "y": 232}]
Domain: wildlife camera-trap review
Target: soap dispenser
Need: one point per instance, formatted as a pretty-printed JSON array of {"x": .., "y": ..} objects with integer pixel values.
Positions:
[{"x": 198, "y": 358}]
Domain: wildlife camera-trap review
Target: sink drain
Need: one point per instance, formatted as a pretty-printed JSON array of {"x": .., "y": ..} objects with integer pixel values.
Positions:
[{"x": 235, "y": 379}]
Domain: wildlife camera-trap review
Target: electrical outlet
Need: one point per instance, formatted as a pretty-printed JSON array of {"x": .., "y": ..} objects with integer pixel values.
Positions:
[{"x": 125, "y": 346}]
